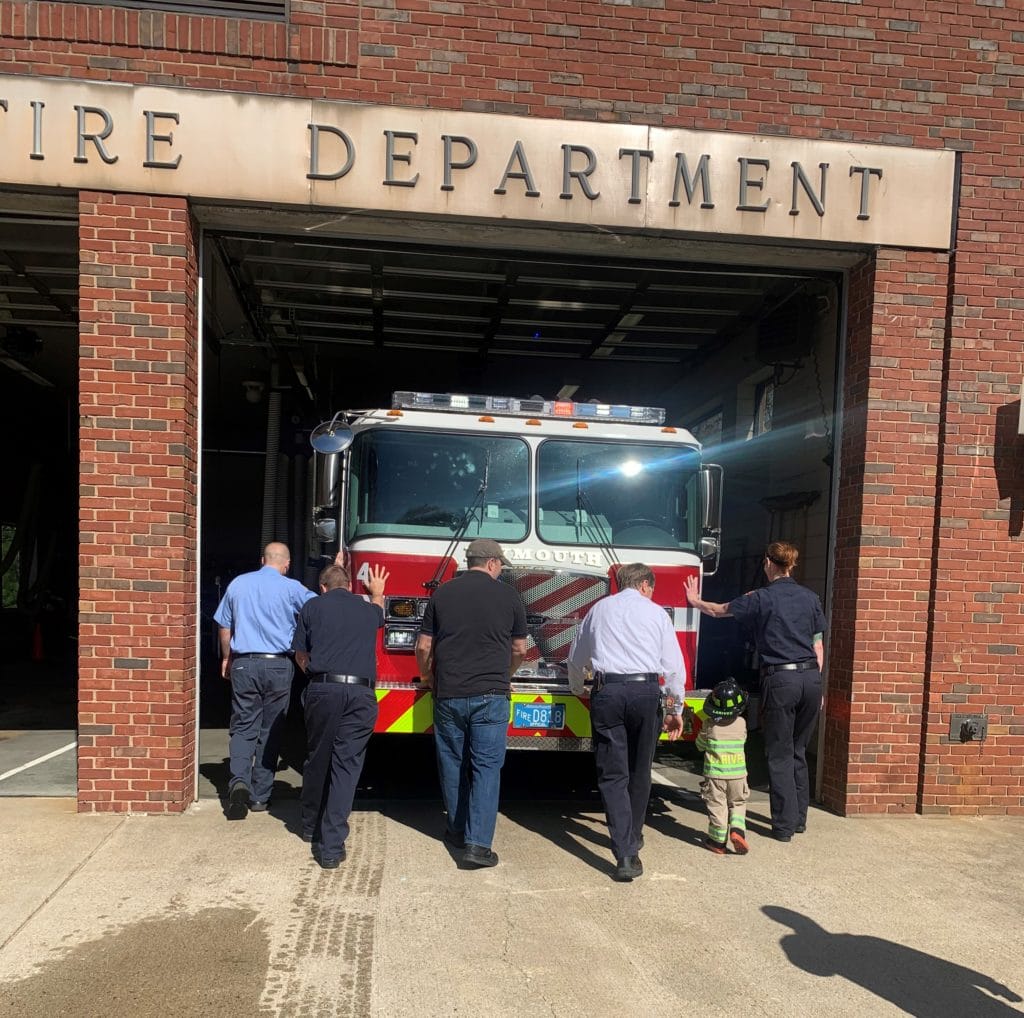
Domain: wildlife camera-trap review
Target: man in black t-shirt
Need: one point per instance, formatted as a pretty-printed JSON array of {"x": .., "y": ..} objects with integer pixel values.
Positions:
[
  {"x": 472, "y": 640},
  {"x": 336, "y": 644}
]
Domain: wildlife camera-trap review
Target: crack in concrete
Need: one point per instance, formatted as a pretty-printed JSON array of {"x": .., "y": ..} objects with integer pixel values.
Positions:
[{"x": 64, "y": 882}]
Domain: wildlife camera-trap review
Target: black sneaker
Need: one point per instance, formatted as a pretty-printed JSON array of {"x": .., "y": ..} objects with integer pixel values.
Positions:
[
  {"x": 259, "y": 807},
  {"x": 628, "y": 869},
  {"x": 800, "y": 828},
  {"x": 478, "y": 856},
  {"x": 238, "y": 801},
  {"x": 307, "y": 837},
  {"x": 454, "y": 840}
]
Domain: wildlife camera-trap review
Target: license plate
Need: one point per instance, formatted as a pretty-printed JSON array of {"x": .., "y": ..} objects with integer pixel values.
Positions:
[{"x": 538, "y": 715}]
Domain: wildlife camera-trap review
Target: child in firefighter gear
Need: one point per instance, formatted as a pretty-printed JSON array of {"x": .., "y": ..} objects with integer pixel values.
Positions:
[{"x": 725, "y": 790}]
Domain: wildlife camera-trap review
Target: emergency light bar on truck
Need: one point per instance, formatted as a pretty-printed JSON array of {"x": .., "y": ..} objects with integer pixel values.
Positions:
[{"x": 510, "y": 406}]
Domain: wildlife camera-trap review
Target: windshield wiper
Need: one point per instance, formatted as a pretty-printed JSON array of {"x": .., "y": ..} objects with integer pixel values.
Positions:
[
  {"x": 585, "y": 506},
  {"x": 435, "y": 581}
]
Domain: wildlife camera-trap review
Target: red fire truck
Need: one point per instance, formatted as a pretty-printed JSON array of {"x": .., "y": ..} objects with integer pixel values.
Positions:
[{"x": 570, "y": 491}]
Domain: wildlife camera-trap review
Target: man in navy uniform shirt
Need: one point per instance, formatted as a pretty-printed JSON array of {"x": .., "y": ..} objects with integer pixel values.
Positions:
[
  {"x": 256, "y": 617},
  {"x": 336, "y": 644}
]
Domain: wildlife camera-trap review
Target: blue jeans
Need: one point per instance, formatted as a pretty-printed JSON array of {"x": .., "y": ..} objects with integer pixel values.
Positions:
[
  {"x": 469, "y": 733},
  {"x": 260, "y": 690}
]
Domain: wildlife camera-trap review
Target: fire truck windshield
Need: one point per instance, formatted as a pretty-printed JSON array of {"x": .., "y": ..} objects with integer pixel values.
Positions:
[
  {"x": 423, "y": 484},
  {"x": 630, "y": 495}
]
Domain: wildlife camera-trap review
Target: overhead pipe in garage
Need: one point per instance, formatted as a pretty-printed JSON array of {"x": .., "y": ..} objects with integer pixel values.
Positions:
[
  {"x": 271, "y": 464},
  {"x": 284, "y": 470},
  {"x": 299, "y": 515}
]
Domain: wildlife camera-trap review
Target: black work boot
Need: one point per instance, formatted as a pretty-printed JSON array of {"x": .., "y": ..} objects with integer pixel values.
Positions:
[{"x": 628, "y": 869}]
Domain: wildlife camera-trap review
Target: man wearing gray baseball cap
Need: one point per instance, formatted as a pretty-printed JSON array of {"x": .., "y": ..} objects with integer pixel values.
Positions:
[{"x": 472, "y": 640}]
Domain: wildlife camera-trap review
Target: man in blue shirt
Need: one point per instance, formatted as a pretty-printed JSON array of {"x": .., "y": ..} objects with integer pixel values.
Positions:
[
  {"x": 628, "y": 643},
  {"x": 256, "y": 617}
]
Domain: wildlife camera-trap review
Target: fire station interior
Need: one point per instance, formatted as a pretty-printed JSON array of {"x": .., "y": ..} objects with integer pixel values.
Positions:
[{"x": 305, "y": 315}]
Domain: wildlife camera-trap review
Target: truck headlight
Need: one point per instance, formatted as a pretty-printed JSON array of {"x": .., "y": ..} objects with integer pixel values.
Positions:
[
  {"x": 405, "y": 608},
  {"x": 400, "y": 637}
]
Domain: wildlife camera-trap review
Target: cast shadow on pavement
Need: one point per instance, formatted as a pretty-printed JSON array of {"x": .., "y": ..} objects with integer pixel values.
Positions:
[
  {"x": 565, "y": 828},
  {"x": 283, "y": 797},
  {"x": 916, "y": 983},
  {"x": 218, "y": 774},
  {"x": 426, "y": 816},
  {"x": 662, "y": 820}
]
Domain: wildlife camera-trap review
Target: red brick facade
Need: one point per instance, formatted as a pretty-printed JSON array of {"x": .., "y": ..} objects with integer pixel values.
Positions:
[
  {"x": 137, "y": 556},
  {"x": 882, "y": 631},
  {"x": 928, "y": 570}
]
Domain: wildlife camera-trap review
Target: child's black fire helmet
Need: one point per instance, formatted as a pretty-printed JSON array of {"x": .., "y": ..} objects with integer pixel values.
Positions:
[{"x": 726, "y": 701}]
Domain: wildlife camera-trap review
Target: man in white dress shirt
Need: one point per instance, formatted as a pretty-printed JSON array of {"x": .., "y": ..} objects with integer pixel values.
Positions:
[{"x": 628, "y": 643}]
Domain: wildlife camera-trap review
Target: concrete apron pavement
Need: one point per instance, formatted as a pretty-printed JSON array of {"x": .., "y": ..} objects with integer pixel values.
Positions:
[{"x": 193, "y": 915}]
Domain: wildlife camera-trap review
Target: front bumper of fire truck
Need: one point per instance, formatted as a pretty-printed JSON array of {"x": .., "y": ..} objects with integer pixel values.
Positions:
[{"x": 541, "y": 716}]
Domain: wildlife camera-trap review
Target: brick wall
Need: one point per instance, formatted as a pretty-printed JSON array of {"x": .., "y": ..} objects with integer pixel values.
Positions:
[
  {"x": 842, "y": 638},
  {"x": 137, "y": 568},
  {"x": 975, "y": 665},
  {"x": 935, "y": 613},
  {"x": 884, "y": 567}
]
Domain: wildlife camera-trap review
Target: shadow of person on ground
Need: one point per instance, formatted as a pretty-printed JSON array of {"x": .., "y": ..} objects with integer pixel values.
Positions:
[
  {"x": 219, "y": 775},
  {"x": 426, "y": 816},
  {"x": 682, "y": 797},
  {"x": 917, "y": 983},
  {"x": 565, "y": 828},
  {"x": 287, "y": 810},
  {"x": 761, "y": 825},
  {"x": 662, "y": 820}
]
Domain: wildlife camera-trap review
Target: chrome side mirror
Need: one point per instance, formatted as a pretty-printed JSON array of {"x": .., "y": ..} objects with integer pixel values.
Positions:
[{"x": 332, "y": 436}]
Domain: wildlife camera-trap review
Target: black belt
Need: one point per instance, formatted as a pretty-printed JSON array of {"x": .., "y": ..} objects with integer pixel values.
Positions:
[
  {"x": 626, "y": 676},
  {"x": 790, "y": 666},
  {"x": 254, "y": 653},
  {"x": 351, "y": 680}
]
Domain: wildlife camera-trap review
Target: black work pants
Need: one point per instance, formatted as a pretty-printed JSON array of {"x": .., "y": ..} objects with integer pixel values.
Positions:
[
  {"x": 625, "y": 718},
  {"x": 790, "y": 704},
  {"x": 339, "y": 722}
]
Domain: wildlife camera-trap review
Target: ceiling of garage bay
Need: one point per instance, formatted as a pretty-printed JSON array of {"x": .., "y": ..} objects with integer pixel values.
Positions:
[
  {"x": 39, "y": 298},
  {"x": 361, "y": 294},
  {"x": 302, "y": 303}
]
